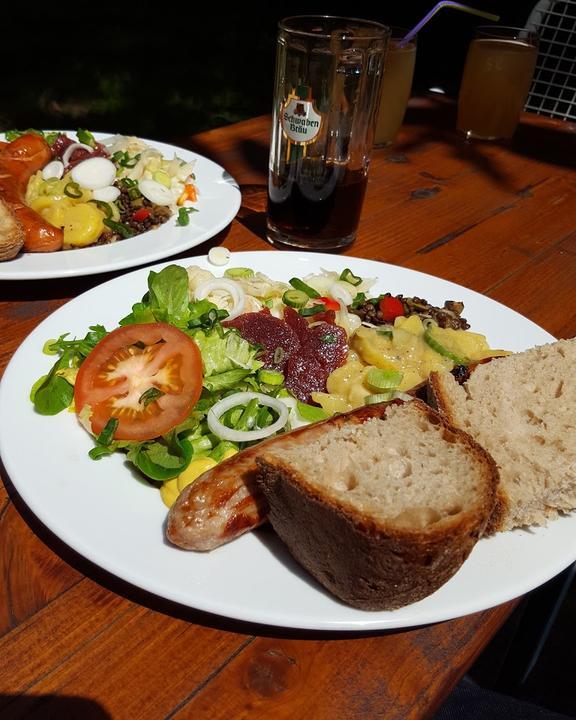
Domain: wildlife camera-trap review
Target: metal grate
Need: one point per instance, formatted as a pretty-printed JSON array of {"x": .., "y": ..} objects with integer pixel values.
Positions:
[{"x": 553, "y": 90}]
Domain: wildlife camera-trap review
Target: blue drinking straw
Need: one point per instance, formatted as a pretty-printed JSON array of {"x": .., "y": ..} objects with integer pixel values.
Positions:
[{"x": 448, "y": 4}]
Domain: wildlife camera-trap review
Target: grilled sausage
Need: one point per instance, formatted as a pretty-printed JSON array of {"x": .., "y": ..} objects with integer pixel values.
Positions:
[
  {"x": 19, "y": 160},
  {"x": 219, "y": 506}
]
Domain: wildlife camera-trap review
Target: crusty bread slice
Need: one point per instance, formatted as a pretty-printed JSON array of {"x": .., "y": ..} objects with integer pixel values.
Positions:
[
  {"x": 381, "y": 505},
  {"x": 522, "y": 409}
]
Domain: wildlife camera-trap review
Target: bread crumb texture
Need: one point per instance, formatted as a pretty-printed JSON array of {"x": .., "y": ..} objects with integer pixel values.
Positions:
[
  {"x": 403, "y": 469},
  {"x": 521, "y": 408}
]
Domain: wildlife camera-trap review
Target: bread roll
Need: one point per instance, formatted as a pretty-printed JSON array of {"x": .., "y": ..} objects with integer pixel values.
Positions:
[
  {"x": 521, "y": 409},
  {"x": 381, "y": 505}
]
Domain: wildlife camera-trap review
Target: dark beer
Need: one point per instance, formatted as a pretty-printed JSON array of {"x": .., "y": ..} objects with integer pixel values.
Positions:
[{"x": 316, "y": 201}]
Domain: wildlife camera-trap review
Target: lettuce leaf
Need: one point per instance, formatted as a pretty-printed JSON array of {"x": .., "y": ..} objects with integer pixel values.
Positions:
[{"x": 224, "y": 352}]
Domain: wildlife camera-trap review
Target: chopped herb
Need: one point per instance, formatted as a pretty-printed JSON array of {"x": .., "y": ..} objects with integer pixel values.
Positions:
[
  {"x": 184, "y": 215},
  {"x": 119, "y": 228},
  {"x": 328, "y": 339},
  {"x": 107, "y": 435},
  {"x": 149, "y": 396},
  {"x": 314, "y": 310},
  {"x": 348, "y": 276},
  {"x": 123, "y": 159},
  {"x": 86, "y": 137},
  {"x": 72, "y": 189},
  {"x": 104, "y": 206}
]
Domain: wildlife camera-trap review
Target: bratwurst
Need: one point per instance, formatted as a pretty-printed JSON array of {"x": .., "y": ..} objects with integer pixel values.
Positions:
[
  {"x": 219, "y": 506},
  {"x": 19, "y": 160}
]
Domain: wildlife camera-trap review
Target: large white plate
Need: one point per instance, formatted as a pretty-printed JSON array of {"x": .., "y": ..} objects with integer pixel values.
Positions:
[
  {"x": 104, "y": 512},
  {"x": 218, "y": 202}
]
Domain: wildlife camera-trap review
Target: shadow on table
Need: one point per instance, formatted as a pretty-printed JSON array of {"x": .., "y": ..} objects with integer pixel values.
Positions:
[
  {"x": 433, "y": 119},
  {"x": 69, "y": 707}
]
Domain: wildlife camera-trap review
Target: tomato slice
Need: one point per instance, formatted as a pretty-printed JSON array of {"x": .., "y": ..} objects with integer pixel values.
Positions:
[{"x": 148, "y": 376}]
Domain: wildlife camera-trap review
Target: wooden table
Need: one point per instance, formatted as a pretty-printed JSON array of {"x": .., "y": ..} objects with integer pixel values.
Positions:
[{"x": 78, "y": 643}]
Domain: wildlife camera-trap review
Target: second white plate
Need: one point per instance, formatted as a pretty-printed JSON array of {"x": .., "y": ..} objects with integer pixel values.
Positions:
[{"x": 218, "y": 202}]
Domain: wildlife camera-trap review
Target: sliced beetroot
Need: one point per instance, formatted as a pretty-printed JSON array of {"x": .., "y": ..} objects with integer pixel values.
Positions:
[
  {"x": 329, "y": 344},
  {"x": 276, "y": 337},
  {"x": 63, "y": 142},
  {"x": 305, "y": 374},
  {"x": 305, "y": 353},
  {"x": 297, "y": 323}
]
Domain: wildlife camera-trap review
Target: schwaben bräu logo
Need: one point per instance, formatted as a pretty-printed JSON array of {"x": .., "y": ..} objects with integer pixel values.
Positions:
[{"x": 300, "y": 121}]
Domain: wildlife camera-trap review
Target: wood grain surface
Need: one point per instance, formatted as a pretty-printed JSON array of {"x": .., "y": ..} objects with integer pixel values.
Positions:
[{"x": 76, "y": 642}]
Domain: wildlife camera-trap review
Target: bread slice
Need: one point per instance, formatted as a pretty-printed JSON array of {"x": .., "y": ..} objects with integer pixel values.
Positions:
[
  {"x": 381, "y": 505},
  {"x": 522, "y": 410}
]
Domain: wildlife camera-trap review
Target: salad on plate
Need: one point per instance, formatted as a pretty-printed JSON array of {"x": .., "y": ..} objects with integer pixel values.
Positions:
[
  {"x": 59, "y": 192},
  {"x": 203, "y": 366}
]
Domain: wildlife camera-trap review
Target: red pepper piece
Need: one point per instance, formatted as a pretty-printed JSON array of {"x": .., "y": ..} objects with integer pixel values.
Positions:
[
  {"x": 141, "y": 214},
  {"x": 328, "y": 303},
  {"x": 391, "y": 308}
]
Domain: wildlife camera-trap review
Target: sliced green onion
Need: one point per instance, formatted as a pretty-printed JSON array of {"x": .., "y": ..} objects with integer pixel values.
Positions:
[
  {"x": 386, "y": 331},
  {"x": 107, "y": 435},
  {"x": 134, "y": 193},
  {"x": 72, "y": 189},
  {"x": 221, "y": 449},
  {"x": 431, "y": 341},
  {"x": 201, "y": 445},
  {"x": 123, "y": 159},
  {"x": 86, "y": 137},
  {"x": 48, "y": 349},
  {"x": 311, "y": 413},
  {"x": 104, "y": 206},
  {"x": 301, "y": 285},
  {"x": 379, "y": 397},
  {"x": 279, "y": 353},
  {"x": 184, "y": 215},
  {"x": 231, "y": 417},
  {"x": 348, "y": 276},
  {"x": 295, "y": 298},
  {"x": 381, "y": 379},
  {"x": 270, "y": 377},
  {"x": 314, "y": 310},
  {"x": 249, "y": 415},
  {"x": 264, "y": 418},
  {"x": 119, "y": 228},
  {"x": 239, "y": 272}
]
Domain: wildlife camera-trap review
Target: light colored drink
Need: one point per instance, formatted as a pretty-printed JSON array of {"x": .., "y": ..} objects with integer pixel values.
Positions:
[
  {"x": 396, "y": 87},
  {"x": 496, "y": 81}
]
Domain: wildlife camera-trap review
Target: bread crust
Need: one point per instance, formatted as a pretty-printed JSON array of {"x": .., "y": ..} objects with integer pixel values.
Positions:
[
  {"x": 366, "y": 562},
  {"x": 438, "y": 400}
]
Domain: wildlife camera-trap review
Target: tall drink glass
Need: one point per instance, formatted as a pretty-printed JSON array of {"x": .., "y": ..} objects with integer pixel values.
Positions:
[
  {"x": 396, "y": 87},
  {"x": 496, "y": 81},
  {"x": 328, "y": 74}
]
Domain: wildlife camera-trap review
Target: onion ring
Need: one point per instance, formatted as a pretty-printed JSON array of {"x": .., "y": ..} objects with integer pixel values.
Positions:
[{"x": 226, "y": 433}]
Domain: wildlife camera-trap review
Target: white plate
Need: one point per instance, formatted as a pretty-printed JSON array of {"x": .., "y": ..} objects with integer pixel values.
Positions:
[
  {"x": 218, "y": 202},
  {"x": 103, "y": 511}
]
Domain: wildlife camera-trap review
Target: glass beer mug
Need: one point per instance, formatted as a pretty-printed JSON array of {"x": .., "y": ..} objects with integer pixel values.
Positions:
[{"x": 328, "y": 75}]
